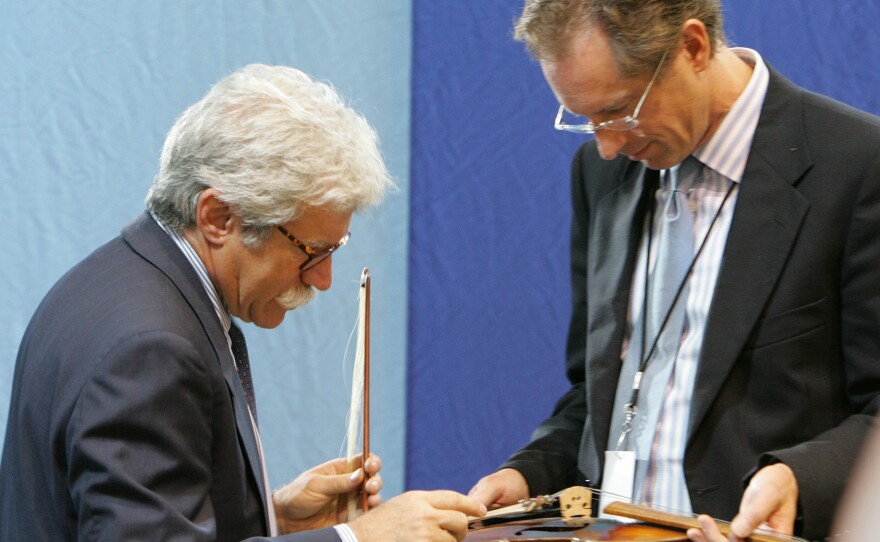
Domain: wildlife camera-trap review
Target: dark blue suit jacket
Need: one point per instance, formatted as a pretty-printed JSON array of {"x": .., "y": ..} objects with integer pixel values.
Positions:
[
  {"x": 127, "y": 420},
  {"x": 790, "y": 361}
]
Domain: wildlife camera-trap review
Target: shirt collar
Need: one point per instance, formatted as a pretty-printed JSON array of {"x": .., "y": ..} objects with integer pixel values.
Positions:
[
  {"x": 728, "y": 150},
  {"x": 199, "y": 267}
]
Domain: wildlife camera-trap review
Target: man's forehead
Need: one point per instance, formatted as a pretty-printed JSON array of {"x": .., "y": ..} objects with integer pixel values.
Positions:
[
  {"x": 586, "y": 78},
  {"x": 585, "y": 88}
]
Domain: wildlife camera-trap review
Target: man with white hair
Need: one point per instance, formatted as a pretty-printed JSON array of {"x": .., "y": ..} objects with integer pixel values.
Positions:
[{"x": 132, "y": 414}]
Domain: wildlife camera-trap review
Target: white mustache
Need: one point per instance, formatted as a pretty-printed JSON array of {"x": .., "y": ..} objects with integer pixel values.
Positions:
[{"x": 296, "y": 297}]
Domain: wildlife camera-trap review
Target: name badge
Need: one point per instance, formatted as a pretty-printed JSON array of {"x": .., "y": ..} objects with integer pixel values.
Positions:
[{"x": 617, "y": 481}]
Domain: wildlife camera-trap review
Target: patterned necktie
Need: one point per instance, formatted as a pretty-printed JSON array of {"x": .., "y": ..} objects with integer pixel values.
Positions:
[
  {"x": 243, "y": 365},
  {"x": 675, "y": 252}
]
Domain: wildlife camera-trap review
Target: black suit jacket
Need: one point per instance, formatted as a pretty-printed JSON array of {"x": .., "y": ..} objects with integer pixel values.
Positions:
[
  {"x": 790, "y": 364},
  {"x": 127, "y": 419}
]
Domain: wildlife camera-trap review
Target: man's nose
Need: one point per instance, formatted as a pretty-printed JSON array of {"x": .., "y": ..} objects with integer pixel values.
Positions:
[
  {"x": 610, "y": 143},
  {"x": 320, "y": 276}
]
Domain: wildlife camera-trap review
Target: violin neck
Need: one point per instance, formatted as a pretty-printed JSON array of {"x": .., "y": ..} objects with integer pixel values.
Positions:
[{"x": 647, "y": 514}]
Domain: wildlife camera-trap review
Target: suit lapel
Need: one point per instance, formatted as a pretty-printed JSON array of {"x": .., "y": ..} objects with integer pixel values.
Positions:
[
  {"x": 614, "y": 238},
  {"x": 148, "y": 240},
  {"x": 765, "y": 225}
]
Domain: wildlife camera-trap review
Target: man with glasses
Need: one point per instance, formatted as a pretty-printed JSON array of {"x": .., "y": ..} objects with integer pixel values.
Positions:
[
  {"x": 132, "y": 414},
  {"x": 725, "y": 263}
]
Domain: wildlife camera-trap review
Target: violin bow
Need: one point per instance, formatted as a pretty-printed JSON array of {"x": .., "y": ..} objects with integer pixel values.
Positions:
[
  {"x": 365, "y": 288},
  {"x": 360, "y": 392}
]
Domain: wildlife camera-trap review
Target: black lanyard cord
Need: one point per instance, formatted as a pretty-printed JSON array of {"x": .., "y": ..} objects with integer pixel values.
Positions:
[{"x": 633, "y": 402}]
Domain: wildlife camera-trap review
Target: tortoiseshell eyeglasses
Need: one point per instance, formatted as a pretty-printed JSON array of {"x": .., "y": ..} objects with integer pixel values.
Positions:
[{"x": 314, "y": 256}]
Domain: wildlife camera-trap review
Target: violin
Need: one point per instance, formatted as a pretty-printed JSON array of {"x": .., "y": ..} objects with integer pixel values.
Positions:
[
  {"x": 559, "y": 530},
  {"x": 567, "y": 517}
]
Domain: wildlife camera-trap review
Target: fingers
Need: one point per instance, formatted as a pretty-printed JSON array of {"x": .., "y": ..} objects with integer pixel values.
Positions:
[
  {"x": 343, "y": 466},
  {"x": 758, "y": 503},
  {"x": 374, "y": 465},
  {"x": 331, "y": 485},
  {"x": 373, "y": 501},
  {"x": 372, "y": 488},
  {"x": 454, "y": 523},
  {"x": 374, "y": 484},
  {"x": 418, "y": 515},
  {"x": 374, "y": 480},
  {"x": 708, "y": 532},
  {"x": 507, "y": 486},
  {"x": 452, "y": 510},
  {"x": 333, "y": 478},
  {"x": 452, "y": 500},
  {"x": 746, "y": 521},
  {"x": 486, "y": 492},
  {"x": 770, "y": 497}
]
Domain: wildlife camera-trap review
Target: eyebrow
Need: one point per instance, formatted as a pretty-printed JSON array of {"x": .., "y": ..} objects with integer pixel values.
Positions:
[
  {"x": 627, "y": 99},
  {"x": 321, "y": 246},
  {"x": 604, "y": 111}
]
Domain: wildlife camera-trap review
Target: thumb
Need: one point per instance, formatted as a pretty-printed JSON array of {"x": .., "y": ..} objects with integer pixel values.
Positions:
[
  {"x": 744, "y": 524},
  {"x": 482, "y": 494},
  {"x": 335, "y": 484}
]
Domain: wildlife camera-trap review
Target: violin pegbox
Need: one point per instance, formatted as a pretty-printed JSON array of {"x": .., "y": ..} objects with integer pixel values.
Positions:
[{"x": 576, "y": 502}]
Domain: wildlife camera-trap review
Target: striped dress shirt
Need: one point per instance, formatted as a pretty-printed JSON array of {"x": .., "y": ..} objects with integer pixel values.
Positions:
[{"x": 659, "y": 477}]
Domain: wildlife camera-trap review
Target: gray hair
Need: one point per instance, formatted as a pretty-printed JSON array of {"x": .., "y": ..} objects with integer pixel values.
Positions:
[
  {"x": 272, "y": 142},
  {"x": 640, "y": 30}
]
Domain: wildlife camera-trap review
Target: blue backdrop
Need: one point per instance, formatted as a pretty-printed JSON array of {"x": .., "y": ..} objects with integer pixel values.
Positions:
[
  {"x": 469, "y": 257},
  {"x": 89, "y": 89},
  {"x": 488, "y": 275}
]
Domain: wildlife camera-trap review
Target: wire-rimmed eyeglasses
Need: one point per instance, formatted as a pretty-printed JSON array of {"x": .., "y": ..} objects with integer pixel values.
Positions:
[
  {"x": 314, "y": 256},
  {"x": 616, "y": 125}
]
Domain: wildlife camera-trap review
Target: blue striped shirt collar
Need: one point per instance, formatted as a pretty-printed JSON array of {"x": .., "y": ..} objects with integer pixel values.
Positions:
[
  {"x": 199, "y": 267},
  {"x": 728, "y": 149}
]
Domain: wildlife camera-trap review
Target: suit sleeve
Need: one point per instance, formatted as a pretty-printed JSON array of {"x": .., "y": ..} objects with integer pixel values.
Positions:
[
  {"x": 549, "y": 461},
  {"x": 139, "y": 446},
  {"x": 823, "y": 464},
  {"x": 328, "y": 534}
]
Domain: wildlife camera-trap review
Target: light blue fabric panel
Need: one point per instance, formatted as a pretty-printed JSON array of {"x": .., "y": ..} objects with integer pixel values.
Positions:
[{"x": 89, "y": 89}]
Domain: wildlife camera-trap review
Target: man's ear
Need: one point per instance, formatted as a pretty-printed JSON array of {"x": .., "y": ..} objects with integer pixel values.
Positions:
[
  {"x": 696, "y": 43},
  {"x": 214, "y": 218}
]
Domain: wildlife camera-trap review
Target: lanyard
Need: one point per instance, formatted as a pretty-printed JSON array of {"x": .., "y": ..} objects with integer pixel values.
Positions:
[{"x": 631, "y": 408}]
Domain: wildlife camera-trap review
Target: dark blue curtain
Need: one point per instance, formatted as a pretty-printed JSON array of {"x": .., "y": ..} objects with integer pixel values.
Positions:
[{"x": 488, "y": 258}]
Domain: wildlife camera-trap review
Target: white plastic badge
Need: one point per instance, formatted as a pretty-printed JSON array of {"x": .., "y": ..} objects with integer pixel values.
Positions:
[{"x": 617, "y": 480}]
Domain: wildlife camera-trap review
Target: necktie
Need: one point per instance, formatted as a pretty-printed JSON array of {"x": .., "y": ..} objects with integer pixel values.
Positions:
[
  {"x": 243, "y": 365},
  {"x": 675, "y": 252}
]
